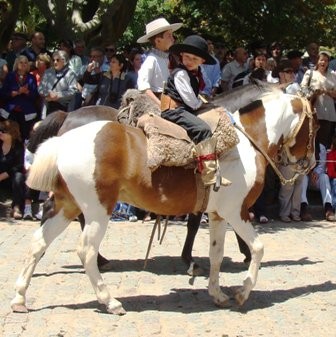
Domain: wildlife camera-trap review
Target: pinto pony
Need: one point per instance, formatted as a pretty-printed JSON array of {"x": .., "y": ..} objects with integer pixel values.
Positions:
[{"x": 91, "y": 167}]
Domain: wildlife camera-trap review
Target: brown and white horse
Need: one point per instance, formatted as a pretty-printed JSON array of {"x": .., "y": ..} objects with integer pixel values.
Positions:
[{"x": 91, "y": 167}]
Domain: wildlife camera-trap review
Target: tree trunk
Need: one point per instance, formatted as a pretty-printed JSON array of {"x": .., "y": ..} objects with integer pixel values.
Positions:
[{"x": 8, "y": 21}]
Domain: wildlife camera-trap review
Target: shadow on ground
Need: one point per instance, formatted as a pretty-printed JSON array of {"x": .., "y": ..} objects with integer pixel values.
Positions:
[{"x": 186, "y": 300}]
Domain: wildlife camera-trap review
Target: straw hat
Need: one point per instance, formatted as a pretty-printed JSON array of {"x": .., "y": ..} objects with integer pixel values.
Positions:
[
  {"x": 196, "y": 45},
  {"x": 158, "y": 26}
]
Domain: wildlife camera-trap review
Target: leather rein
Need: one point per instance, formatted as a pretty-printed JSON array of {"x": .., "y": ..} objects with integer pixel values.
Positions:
[{"x": 301, "y": 166}]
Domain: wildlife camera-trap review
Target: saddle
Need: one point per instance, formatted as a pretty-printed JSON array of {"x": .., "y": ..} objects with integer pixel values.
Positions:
[{"x": 168, "y": 144}]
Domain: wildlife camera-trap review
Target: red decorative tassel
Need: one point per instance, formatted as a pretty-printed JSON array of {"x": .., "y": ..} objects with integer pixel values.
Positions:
[{"x": 203, "y": 158}]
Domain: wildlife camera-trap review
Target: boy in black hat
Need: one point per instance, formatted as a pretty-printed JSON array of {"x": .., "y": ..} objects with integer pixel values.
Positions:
[{"x": 181, "y": 101}]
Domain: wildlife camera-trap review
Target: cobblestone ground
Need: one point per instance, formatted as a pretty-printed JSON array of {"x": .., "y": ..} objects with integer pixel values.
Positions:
[{"x": 295, "y": 294}]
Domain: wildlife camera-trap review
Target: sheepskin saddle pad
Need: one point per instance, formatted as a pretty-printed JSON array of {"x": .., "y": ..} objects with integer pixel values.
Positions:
[{"x": 169, "y": 145}]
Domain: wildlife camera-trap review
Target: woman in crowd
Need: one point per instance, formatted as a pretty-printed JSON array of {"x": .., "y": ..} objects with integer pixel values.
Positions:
[
  {"x": 43, "y": 62},
  {"x": 59, "y": 85},
  {"x": 11, "y": 165},
  {"x": 135, "y": 60},
  {"x": 112, "y": 84},
  {"x": 324, "y": 81},
  {"x": 20, "y": 92},
  {"x": 3, "y": 70},
  {"x": 75, "y": 62}
]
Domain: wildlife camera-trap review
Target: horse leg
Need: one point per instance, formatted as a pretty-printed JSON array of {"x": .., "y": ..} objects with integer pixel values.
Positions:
[
  {"x": 192, "y": 227},
  {"x": 51, "y": 228},
  {"x": 93, "y": 233},
  {"x": 244, "y": 249},
  {"x": 216, "y": 253},
  {"x": 103, "y": 263},
  {"x": 246, "y": 231}
]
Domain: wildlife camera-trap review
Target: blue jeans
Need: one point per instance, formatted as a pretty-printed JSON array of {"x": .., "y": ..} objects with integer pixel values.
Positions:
[{"x": 333, "y": 192}]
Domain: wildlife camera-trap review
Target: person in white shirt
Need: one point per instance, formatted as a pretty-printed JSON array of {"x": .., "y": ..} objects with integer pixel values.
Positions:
[
  {"x": 235, "y": 67},
  {"x": 154, "y": 70}
]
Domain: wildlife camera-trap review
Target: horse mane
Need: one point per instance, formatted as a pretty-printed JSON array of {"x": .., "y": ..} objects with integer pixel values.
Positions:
[
  {"x": 135, "y": 103},
  {"x": 242, "y": 96},
  {"x": 48, "y": 127}
]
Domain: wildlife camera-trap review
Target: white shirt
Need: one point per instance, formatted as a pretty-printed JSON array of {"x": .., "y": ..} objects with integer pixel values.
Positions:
[
  {"x": 231, "y": 70},
  {"x": 325, "y": 107},
  {"x": 183, "y": 86},
  {"x": 154, "y": 71}
]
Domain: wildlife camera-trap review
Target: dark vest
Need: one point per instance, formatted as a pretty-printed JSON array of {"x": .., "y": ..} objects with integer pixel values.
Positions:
[{"x": 171, "y": 90}]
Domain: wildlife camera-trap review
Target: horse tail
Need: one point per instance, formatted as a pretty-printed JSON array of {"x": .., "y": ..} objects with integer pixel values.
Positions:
[
  {"x": 47, "y": 128},
  {"x": 44, "y": 171}
]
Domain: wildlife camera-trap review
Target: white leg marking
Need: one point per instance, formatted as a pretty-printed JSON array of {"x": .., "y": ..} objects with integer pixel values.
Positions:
[
  {"x": 91, "y": 238},
  {"x": 217, "y": 237},
  {"x": 250, "y": 236},
  {"x": 41, "y": 240}
]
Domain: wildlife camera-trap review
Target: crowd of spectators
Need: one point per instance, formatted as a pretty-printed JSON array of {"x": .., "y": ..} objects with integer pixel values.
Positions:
[{"x": 35, "y": 81}]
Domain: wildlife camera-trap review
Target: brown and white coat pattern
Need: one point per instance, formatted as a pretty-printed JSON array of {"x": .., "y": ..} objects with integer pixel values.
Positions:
[{"x": 93, "y": 166}]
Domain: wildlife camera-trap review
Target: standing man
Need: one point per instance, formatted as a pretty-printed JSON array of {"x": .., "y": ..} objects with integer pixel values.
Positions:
[
  {"x": 311, "y": 56},
  {"x": 18, "y": 44},
  {"x": 233, "y": 68},
  {"x": 37, "y": 47},
  {"x": 154, "y": 71},
  {"x": 97, "y": 56}
]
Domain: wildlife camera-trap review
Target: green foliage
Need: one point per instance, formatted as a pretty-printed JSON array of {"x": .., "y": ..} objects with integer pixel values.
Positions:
[
  {"x": 146, "y": 11},
  {"x": 238, "y": 22},
  {"x": 30, "y": 18},
  {"x": 233, "y": 22}
]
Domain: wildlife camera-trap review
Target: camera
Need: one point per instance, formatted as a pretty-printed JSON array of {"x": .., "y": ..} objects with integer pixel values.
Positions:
[{"x": 96, "y": 64}]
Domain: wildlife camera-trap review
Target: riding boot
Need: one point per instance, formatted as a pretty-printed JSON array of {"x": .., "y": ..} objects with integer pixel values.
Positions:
[{"x": 208, "y": 165}]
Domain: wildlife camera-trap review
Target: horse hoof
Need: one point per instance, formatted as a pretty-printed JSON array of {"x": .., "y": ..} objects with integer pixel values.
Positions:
[
  {"x": 195, "y": 270},
  {"x": 224, "y": 302},
  {"x": 119, "y": 310},
  {"x": 20, "y": 308},
  {"x": 240, "y": 297}
]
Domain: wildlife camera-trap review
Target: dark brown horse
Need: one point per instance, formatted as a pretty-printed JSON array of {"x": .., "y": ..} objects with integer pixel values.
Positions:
[{"x": 91, "y": 167}]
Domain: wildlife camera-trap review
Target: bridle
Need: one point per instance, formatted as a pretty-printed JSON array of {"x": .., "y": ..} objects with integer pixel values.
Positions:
[{"x": 302, "y": 165}]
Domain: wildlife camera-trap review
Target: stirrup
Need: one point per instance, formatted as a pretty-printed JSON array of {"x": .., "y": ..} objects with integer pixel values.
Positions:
[{"x": 220, "y": 181}]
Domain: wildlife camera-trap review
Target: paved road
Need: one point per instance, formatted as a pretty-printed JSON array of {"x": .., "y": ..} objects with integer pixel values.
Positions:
[{"x": 295, "y": 294}]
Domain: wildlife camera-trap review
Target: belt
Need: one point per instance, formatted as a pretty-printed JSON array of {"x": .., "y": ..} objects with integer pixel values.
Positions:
[{"x": 167, "y": 103}]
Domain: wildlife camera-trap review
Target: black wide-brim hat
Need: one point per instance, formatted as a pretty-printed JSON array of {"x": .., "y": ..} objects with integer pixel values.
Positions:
[{"x": 196, "y": 45}]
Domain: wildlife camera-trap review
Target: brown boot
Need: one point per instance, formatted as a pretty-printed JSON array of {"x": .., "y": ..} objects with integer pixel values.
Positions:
[
  {"x": 208, "y": 165},
  {"x": 304, "y": 213}
]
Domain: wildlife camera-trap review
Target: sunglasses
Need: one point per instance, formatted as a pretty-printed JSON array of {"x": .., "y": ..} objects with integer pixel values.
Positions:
[
  {"x": 112, "y": 50},
  {"x": 2, "y": 130}
]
